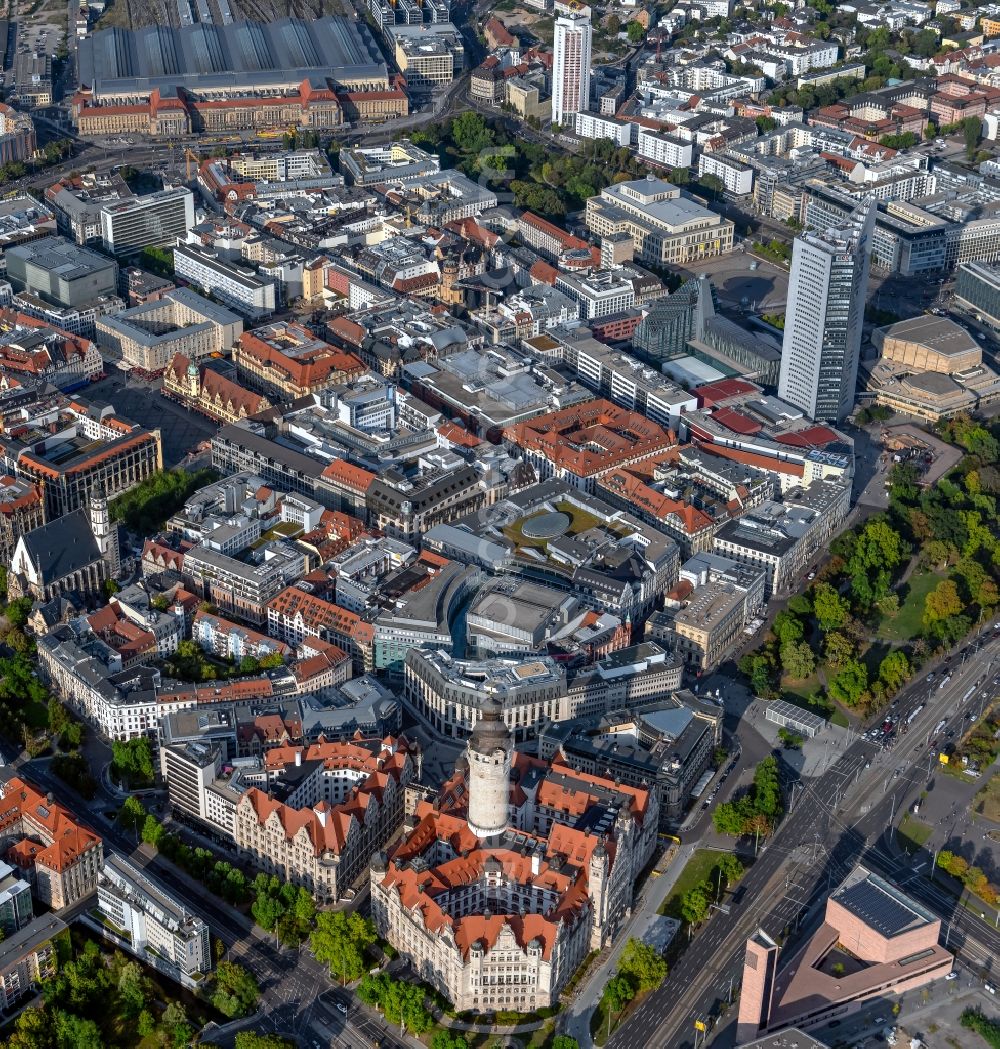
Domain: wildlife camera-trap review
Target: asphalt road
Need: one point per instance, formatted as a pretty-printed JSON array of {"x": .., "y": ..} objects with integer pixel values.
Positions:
[
  {"x": 296, "y": 990},
  {"x": 835, "y": 823}
]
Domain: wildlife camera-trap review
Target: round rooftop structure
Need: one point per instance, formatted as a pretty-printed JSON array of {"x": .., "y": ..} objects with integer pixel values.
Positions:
[{"x": 547, "y": 525}]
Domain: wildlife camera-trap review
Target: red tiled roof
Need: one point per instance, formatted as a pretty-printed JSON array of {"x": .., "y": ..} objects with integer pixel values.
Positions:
[
  {"x": 736, "y": 421},
  {"x": 813, "y": 437},
  {"x": 63, "y": 840},
  {"x": 713, "y": 393}
]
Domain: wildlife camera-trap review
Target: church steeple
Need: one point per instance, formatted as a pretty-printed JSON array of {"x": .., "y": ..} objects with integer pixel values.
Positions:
[{"x": 105, "y": 531}]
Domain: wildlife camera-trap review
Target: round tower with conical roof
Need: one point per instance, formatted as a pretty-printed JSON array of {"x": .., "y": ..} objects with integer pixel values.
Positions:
[{"x": 489, "y": 755}]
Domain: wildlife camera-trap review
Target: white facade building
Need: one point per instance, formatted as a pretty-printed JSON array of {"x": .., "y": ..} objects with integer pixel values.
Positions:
[
  {"x": 571, "y": 66},
  {"x": 596, "y": 125},
  {"x": 734, "y": 175},
  {"x": 156, "y": 927},
  {"x": 238, "y": 288},
  {"x": 823, "y": 323},
  {"x": 128, "y": 226},
  {"x": 664, "y": 149}
]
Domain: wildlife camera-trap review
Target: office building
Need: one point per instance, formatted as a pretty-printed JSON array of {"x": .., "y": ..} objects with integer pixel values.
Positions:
[
  {"x": 59, "y": 272},
  {"x": 395, "y": 162},
  {"x": 15, "y": 900},
  {"x": 447, "y": 691},
  {"x": 827, "y": 290},
  {"x": 238, "y": 287},
  {"x": 517, "y": 870},
  {"x": 571, "y": 66},
  {"x": 670, "y": 742},
  {"x": 428, "y": 55},
  {"x": 977, "y": 288},
  {"x": 82, "y": 448},
  {"x": 148, "y": 336},
  {"x": 150, "y": 923},
  {"x": 17, "y": 136},
  {"x": 28, "y": 957},
  {"x": 783, "y": 538},
  {"x": 157, "y": 219}
]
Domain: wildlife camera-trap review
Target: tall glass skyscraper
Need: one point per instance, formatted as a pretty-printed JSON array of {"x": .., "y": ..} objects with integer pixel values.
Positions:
[{"x": 827, "y": 290}]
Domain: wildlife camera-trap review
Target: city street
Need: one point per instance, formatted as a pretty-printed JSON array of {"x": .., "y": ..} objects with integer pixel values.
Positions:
[
  {"x": 834, "y": 825},
  {"x": 296, "y": 990}
]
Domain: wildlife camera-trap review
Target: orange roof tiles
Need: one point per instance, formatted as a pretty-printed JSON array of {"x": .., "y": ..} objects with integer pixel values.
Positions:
[
  {"x": 340, "y": 471},
  {"x": 591, "y": 438},
  {"x": 685, "y": 516},
  {"x": 25, "y": 809},
  {"x": 327, "y": 826}
]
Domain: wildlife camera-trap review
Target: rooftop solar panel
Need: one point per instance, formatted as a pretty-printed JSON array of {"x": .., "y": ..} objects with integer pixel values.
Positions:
[{"x": 880, "y": 909}]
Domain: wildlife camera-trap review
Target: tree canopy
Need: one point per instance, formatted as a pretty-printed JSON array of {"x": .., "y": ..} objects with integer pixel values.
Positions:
[{"x": 340, "y": 940}]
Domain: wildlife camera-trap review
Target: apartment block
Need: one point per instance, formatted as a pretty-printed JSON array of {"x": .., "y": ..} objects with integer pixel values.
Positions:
[{"x": 151, "y": 923}]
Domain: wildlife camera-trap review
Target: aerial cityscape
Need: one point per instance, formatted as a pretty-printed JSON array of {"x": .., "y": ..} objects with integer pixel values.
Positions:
[{"x": 499, "y": 536}]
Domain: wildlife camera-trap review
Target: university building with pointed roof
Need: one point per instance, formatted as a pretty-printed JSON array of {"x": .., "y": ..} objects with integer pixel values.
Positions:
[{"x": 512, "y": 875}]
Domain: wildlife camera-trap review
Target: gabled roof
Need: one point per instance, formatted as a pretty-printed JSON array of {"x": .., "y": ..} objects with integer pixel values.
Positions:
[{"x": 61, "y": 547}]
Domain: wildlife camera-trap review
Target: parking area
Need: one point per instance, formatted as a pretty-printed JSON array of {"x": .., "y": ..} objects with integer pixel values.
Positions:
[
  {"x": 181, "y": 430},
  {"x": 930, "y": 1014}
]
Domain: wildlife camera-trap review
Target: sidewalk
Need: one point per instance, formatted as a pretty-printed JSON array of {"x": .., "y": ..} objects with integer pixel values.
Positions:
[{"x": 575, "y": 1021}]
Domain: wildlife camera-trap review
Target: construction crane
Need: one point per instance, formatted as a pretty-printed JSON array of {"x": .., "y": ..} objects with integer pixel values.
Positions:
[{"x": 188, "y": 157}]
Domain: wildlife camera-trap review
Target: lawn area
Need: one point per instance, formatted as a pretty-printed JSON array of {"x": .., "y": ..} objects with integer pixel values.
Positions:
[
  {"x": 913, "y": 833},
  {"x": 987, "y": 801},
  {"x": 696, "y": 870},
  {"x": 907, "y": 624},
  {"x": 580, "y": 521}
]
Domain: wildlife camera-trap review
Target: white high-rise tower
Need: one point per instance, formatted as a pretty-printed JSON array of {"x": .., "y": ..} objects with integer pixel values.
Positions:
[
  {"x": 827, "y": 289},
  {"x": 489, "y": 754},
  {"x": 571, "y": 67}
]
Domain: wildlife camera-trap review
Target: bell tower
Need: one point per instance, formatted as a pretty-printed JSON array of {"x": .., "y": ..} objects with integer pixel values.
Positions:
[{"x": 105, "y": 531}]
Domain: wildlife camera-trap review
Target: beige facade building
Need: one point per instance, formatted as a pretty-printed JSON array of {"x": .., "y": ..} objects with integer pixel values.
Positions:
[
  {"x": 448, "y": 692},
  {"x": 148, "y": 336},
  {"x": 930, "y": 368},
  {"x": 925, "y": 343},
  {"x": 528, "y": 99},
  {"x": 60, "y": 858},
  {"x": 705, "y": 630},
  {"x": 518, "y": 869},
  {"x": 666, "y": 225},
  {"x": 427, "y": 54},
  {"x": 319, "y": 826}
]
